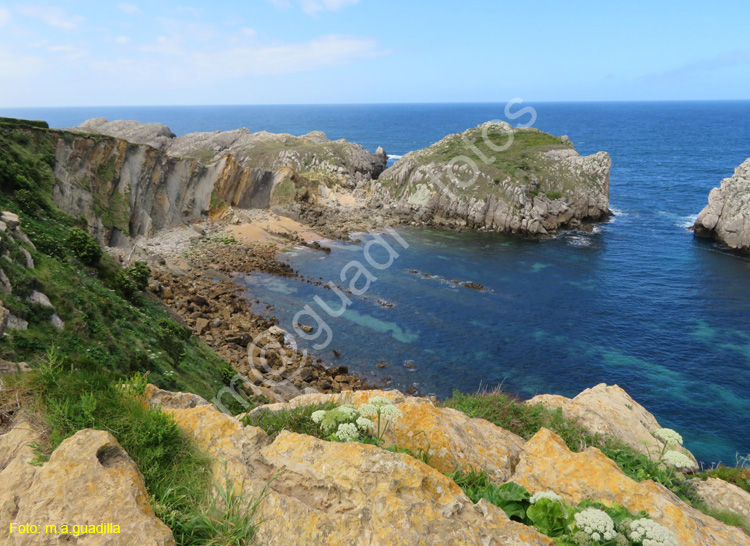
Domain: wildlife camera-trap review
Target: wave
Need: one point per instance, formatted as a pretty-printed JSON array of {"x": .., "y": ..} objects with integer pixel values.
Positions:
[
  {"x": 395, "y": 157},
  {"x": 687, "y": 222}
]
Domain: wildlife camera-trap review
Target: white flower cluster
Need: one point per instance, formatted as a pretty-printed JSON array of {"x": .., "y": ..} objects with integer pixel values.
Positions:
[
  {"x": 545, "y": 495},
  {"x": 597, "y": 524},
  {"x": 380, "y": 406},
  {"x": 318, "y": 416},
  {"x": 365, "y": 424},
  {"x": 669, "y": 436},
  {"x": 677, "y": 459},
  {"x": 649, "y": 533},
  {"x": 348, "y": 411},
  {"x": 347, "y": 432}
]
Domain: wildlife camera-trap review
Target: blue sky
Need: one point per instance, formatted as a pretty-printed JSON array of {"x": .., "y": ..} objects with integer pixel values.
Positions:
[{"x": 82, "y": 53}]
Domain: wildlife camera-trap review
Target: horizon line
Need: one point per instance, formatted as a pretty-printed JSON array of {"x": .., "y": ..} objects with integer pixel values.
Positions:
[{"x": 630, "y": 101}]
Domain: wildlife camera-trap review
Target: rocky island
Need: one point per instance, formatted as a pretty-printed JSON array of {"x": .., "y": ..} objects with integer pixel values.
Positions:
[{"x": 726, "y": 217}]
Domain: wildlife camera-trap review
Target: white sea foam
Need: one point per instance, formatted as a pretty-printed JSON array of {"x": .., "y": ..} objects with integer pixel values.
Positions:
[
  {"x": 579, "y": 240},
  {"x": 686, "y": 222},
  {"x": 395, "y": 157}
]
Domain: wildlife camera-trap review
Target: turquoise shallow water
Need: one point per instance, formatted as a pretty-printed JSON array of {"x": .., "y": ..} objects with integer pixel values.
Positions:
[{"x": 639, "y": 302}]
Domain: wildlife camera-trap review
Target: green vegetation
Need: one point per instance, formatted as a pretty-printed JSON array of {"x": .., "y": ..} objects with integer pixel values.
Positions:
[
  {"x": 297, "y": 420},
  {"x": 109, "y": 322},
  {"x": 738, "y": 475},
  {"x": 176, "y": 474},
  {"x": 84, "y": 246},
  {"x": 550, "y": 515},
  {"x": 27, "y": 122},
  {"x": 527, "y": 419}
]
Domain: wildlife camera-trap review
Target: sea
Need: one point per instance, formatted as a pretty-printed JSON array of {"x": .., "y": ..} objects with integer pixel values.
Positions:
[{"x": 638, "y": 301}]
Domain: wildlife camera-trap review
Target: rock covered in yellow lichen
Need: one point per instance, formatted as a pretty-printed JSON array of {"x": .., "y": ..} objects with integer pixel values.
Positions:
[
  {"x": 449, "y": 438},
  {"x": 548, "y": 465},
  {"x": 331, "y": 493},
  {"x": 88, "y": 480},
  {"x": 610, "y": 411}
]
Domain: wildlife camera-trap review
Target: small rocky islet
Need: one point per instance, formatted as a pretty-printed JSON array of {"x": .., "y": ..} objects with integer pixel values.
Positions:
[{"x": 185, "y": 206}]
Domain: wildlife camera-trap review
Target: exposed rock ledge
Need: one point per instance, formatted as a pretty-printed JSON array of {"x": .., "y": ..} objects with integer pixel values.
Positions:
[
  {"x": 537, "y": 185},
  {"x": 330, "y": 493},
  {"x": 727, "y": 215}
]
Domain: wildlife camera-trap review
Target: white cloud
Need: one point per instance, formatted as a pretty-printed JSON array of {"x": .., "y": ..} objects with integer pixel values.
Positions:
[
  {"x": 312, "y": 7},
  {"x": 130, "y": 9},
  {"x": 122, "y": 39},
  {"x": 54, "y": 17},
  {"x": 4, "y": 16},
  {"x": 251, "y": 32}
]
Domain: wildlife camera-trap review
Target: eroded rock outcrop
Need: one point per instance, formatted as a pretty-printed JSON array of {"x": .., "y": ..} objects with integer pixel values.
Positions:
[
  {"x": 330, "y": 493},
  {"x": 548, "y": 465},
  {"x": 723, "y": 497},
  {"x": 497, "y": 177},
  {"x": 347, "y": 163},
  {"x": 88, "y": 480},
  {"x": 612, "y": 412},
  {"x": 727, "y": 215},
  {"x": 449, "y": 438}
]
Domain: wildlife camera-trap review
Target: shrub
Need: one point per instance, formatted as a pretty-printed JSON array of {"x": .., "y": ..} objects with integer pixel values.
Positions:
[
  {"x": 49, "y": 246},
  {"x": 140, "y": 274},
  {"x": 124, "y": 284},
  {"x": 84, "y": 246},
  {"x": 30, "y": 202}
]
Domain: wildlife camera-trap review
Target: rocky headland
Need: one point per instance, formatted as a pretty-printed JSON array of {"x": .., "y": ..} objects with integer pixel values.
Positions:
[
  {"x": 492, "y": 177},
  {"x": 726, "y": 218},
  {"x": 496, "y": 177}
]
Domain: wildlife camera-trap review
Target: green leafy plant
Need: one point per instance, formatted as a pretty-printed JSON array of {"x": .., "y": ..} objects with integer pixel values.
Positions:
[
  {"x": 551, "y": 517},
  {"x": 84, "y": 246},
  {"x": 139, "y": 273}
]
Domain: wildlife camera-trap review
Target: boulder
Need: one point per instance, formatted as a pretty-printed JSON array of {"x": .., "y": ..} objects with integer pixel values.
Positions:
[
  {"x": 727, "y": 215},
  {"x": 10, "y": 219},
  {"x": 547, "y": 464},
  {"x": 449, "y": 438},
  {"x": 330, "y": 493},
  {"x": 723, "y": 497},
  {"x": 88, "y": 480},
  {"x": 610, "y": 411}
]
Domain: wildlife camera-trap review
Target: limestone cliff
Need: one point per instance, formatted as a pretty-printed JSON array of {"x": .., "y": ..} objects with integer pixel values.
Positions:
[
  {"x": 497, "y": 177},
  {"x": 727, "y": 215},
  {"x": 128, "y": 190},
  {"x": 313, "y": 154}
]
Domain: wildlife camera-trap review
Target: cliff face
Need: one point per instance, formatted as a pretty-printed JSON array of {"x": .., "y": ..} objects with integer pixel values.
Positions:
[
  {"x": 727, "y": 215},
  {"x": 534, "y": 185},
  {"x": 339, "y": 161}
]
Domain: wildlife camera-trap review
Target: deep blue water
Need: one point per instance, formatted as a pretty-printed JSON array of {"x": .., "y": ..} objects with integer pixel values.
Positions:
[{"x": 638, "y": 302}]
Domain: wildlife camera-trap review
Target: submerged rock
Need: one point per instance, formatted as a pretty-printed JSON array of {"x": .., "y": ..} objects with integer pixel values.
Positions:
[{"x": 727, "y": 215}]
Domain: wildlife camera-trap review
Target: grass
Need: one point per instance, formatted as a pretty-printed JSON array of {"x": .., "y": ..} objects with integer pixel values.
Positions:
[
  {"x": 738, "y": 475},
  {"x": 177, "y": 475},
  {"x": 525, "y": 420},
  {"x": 522, "y": 419},
  {"x": 105, "y": 327},
  {"x": 297, "y": 420}
]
